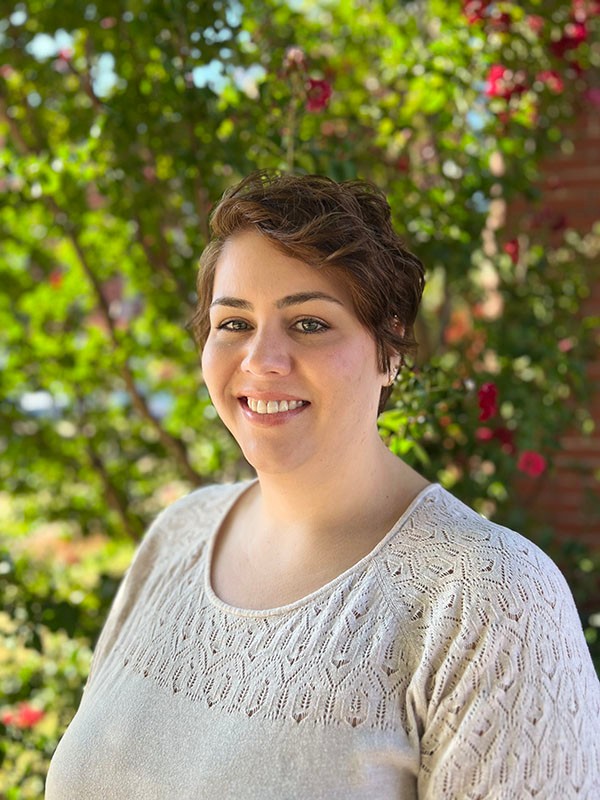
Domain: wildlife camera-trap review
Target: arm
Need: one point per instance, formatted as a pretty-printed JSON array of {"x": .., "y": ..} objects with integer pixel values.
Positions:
[{"x": 514, "y": 707}]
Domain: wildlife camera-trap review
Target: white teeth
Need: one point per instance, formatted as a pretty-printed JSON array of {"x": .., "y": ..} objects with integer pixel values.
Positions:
[{"x": 273, "y": 406}]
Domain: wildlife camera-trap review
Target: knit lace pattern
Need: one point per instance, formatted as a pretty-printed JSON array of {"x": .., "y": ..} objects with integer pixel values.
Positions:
[{"x": 454, "y": 630}]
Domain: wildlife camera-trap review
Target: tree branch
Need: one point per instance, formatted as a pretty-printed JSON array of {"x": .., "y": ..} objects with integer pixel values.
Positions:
[{"x": 114, "y": 497}]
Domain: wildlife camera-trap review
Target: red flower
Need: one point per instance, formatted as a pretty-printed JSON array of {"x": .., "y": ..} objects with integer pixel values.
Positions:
[
  {"x": 318, "y": 93},
  {"x": 503, "y": 82},
  {"x": 575, "y": 33},
  {"x": 487, "y": 398},
  {"x": 531, "y": 463},
  {"x": 552, "y": 80},
  {"x": 474, "y": 10},
  {"x": 65, "y": 54},
  {"x": 506, "y": 438},
  {"x": 484, "y": 434},
  {"x": 582, "y": 9},
  {"x": 502, "y": 435},
  {"x": 500, "y": 21},
  {"x": 512, "y": 248},
  {"x": 26, "y": 716},
  {"x": 536, "y": 23}
]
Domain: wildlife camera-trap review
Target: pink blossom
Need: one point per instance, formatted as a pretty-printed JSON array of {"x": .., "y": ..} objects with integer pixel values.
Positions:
[
  {"x": 318, "y": 94},
  {"x": 295, "y": 59},
  {"x": 583, "y": 9},
  {"x": 484, "y": 434},
  {"x": 512, "y": 248},
  {"x": 593, "y": 95},
  {"x": 503, "y": 82},
  {"x": 536, "y": 23},
  {"x": 65, "y": 54},
  {"x": 6, "y": 71},
  {"x": 487, "y": 397},
  {"x": 552, "y": 79},
  {"x": 108, "y": 22},
  {"x": 531, "y": 463},
  {"x": 500, "y": 434},
  {"x": 500, "y": 21},
  {"x": 574, "y": 34},
  {"x": 566, "y": 344},
  {"x": 475, "y": 10}
]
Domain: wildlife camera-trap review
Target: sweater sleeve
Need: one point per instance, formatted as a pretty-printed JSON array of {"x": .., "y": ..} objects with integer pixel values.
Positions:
[{"x": 511, "y": 704}]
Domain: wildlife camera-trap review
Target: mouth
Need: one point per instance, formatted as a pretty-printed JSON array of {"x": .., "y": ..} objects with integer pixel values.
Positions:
[{"x": 272, "y": 406}]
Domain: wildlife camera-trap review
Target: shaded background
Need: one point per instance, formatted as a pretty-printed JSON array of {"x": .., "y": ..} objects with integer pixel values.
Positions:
[{"x": 121, "y": 123}]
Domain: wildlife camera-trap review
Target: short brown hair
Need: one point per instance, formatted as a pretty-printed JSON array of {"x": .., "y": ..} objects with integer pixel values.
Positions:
[{"x": 344, "y": 227}]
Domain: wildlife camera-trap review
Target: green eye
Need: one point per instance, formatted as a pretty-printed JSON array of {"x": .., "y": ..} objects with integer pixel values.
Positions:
[
  {"x": 233, "y": 325},
  {"x": 310, "y": 325}
]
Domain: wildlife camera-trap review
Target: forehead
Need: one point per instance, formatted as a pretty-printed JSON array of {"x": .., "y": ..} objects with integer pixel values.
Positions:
[{"x": 251, "y": 264}]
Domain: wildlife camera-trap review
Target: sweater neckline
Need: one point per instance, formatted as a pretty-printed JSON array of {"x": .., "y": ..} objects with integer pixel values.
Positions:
[{"x": 261, "y": 613}]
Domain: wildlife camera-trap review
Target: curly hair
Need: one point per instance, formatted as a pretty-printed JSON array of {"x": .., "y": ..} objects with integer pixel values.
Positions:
[{"x": 345, "y": 228}]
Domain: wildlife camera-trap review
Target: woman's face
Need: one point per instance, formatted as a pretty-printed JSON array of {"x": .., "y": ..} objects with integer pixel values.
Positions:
[{"x": 290, "y": 369}]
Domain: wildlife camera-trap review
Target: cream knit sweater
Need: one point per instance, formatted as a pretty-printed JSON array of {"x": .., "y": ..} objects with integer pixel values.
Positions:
[{"x": 448, "y": 663}]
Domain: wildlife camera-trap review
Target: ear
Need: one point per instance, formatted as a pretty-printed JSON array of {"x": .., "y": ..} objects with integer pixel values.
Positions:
[
  {"x": 396, "y": 363},
  {"x": 396, "y": 359}
]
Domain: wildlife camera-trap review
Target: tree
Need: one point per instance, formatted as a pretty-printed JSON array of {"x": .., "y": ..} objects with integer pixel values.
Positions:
[{"x": 121, "y": 124}]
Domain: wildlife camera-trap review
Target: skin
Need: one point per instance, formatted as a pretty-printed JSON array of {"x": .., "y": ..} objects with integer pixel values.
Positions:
[{"x": 328, "y": 489}]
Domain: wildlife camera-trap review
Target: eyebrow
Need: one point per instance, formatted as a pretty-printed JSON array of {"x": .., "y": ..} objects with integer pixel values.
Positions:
[{"x": 285, "y": 302}]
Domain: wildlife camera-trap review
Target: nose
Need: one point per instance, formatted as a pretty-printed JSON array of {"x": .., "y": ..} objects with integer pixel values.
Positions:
[{"x": 267, "y": 353}]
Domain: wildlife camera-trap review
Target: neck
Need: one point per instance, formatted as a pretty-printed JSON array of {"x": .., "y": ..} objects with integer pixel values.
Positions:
[{"x": 307, "y": 508}]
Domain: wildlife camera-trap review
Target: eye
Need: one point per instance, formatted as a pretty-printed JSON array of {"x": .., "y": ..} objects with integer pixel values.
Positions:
[
  {"x": 310, "y": 325},
  {"x": 233, "y": 325}
]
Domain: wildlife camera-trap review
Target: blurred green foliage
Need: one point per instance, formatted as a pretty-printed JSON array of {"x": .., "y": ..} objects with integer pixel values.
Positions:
[{"x": 121, "y": 123}]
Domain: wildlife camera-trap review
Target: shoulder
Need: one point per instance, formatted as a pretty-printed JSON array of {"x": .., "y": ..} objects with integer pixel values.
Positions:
[
  {"x": 446, "y": 555},
  {"x": 190, "y": 520},
  {"x": 502, "y": 670}
]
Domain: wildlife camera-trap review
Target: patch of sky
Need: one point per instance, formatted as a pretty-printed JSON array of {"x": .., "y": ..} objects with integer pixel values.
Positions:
[
  {"x": 234, "y": 13},
  {"x": 160, "y": 403},
  {"x": 18, "y": 17},
  {"x": 479, "y": 202},
  {"x": 42, "y": 403},
  {"x": 215, "y": 77},
  {"x": 44, "y": 46},
  {"x": 476, "y": 119},
  {"x": 104, "y": 77},
  {"x": 247, "y": 80},
  {"x": 211, "y": 75},
  {"x": 212, "y": 36}
]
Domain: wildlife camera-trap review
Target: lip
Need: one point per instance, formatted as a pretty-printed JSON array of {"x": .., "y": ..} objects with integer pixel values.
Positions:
[{"x": 270, "y": 420}]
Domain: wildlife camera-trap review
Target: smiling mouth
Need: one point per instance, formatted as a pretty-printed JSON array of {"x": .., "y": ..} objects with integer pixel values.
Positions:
[{"x": 274, "y": 406}]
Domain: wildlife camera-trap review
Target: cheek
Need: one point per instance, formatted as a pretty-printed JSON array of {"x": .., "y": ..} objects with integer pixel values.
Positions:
[
  {"x": 355, "y": 366},
  {"x": 213, "y": 365}
]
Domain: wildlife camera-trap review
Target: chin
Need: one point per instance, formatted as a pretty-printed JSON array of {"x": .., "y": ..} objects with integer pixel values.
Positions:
[{"x": 267, "y": 461}]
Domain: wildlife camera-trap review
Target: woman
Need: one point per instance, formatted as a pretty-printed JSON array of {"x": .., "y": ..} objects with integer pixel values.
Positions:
[{"x": 337, "y": 628}]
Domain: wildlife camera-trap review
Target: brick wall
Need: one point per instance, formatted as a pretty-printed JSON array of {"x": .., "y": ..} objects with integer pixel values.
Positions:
[{"x": 569, "y": 496}]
